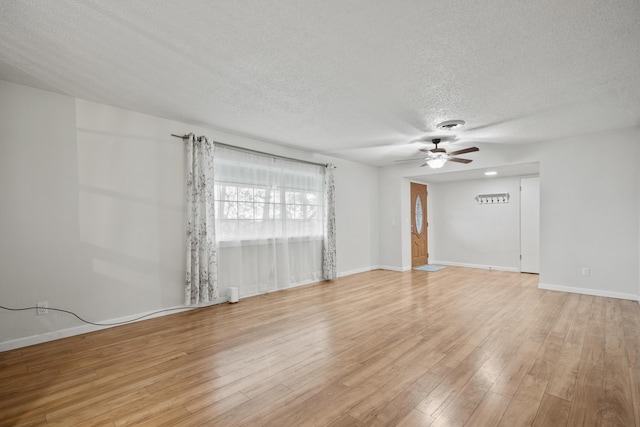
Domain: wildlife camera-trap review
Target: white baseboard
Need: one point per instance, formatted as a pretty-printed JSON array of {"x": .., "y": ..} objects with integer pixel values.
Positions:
[
  {"x": 586, "y": 291},
  {"x": 358, "y": 270},
  {"x": 481, "y": 266},
  {"x": 86, "y": 328},
  {"x": 388, "y": 267},
  {"x": 295, "y": 285}
]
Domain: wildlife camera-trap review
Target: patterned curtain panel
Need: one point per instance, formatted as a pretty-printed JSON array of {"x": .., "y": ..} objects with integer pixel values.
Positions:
[
  {"x": 329, "y": 268},
  {"x": 201, "y": 284}
]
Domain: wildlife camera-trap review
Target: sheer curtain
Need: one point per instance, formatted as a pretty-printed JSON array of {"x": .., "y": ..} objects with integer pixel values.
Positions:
[
  {"x": 270, "y": 221},
  {"x": 201, "y": 283}
]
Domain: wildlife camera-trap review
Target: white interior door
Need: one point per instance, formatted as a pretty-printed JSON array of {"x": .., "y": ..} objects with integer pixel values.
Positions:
[{"x": 530, "y": 225}]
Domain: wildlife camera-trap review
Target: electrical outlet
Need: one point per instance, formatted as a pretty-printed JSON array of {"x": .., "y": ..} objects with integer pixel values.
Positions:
[
  {"x": 586, "y": 271},
  {"x": 43, "y": 307}
]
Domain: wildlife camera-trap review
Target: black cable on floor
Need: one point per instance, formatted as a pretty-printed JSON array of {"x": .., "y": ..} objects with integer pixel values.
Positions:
[{"x": 97, "y": 324}]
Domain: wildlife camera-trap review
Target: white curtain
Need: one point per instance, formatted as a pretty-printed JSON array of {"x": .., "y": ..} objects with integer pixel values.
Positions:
[
  {"x": 329, "y": 268},
  {"x": 201, "y": 284},
  {"x": 270, "y": 221}
]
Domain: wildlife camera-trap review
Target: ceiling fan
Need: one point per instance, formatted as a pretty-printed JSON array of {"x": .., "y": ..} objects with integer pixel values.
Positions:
[{"x": 437, "y": 157}]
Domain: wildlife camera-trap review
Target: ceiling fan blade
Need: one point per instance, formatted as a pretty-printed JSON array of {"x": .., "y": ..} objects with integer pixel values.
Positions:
[
  {"x": 459, "y": 160},
  {"x": 465, "y": 151},
  {"x": 409, "y": 160}
]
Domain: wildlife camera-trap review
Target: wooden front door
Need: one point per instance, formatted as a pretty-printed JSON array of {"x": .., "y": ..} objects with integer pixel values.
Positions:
[{"x": 419, "y": 248}]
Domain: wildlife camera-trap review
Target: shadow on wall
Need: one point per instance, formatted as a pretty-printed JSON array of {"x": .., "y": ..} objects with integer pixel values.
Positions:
[{"x": 131, "y": 218}]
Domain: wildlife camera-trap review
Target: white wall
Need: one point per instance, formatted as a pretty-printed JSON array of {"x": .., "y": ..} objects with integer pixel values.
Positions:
[
  {"x": 356, "y": 217},
  {"x": 39, "y": 233},
  {"x": 464, "y": 232},
  {"x": 92, "y": 215},
  {"x": 390, "y": 219},
  {"x": 589, "y": 214}
]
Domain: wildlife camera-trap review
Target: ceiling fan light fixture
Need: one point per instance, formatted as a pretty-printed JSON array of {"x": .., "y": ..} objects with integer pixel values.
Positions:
[
  {"x": 450, "y": 125},
  {"x": 436, "y": 162}
]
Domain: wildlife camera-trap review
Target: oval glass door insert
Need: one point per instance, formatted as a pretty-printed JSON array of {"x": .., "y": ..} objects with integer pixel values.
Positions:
[{"x": 418, "y": 214}]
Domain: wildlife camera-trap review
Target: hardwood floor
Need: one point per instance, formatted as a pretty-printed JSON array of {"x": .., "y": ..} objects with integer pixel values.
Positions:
[{"x": 451, "y": 348}]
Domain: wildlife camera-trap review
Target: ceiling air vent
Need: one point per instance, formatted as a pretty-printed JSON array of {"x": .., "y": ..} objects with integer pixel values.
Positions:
[{"x": 450, "y": 125}]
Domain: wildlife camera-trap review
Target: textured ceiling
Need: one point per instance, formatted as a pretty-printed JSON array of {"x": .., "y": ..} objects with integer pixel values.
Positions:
[{"x": 357, "y": 79}]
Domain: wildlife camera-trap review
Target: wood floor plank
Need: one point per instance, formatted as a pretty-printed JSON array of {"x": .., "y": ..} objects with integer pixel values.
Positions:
[
  {"x": 575, "y": 336},
  {"x": 490, "y": 410},
  {"x": 562, "y": 381},
  {"x": 139, "y": 409},
  {"x": 593, "y": 349},
  {"x": 552, "y": 412},
  {"x": 631, "y": 327},
  {"x": 324, "y": 407},
  {"x": 416, "y": 419},
  {"x": 547, "y": 356},
  {"x": 488, "y": 373},
  {"x": 565, "y": 317},
  {"x": 346, "y": 421},
  {"x": 510, "y": 378},
  {"x": 374, "y": 405},
  {"x": 618, "y": 399},
  {"x": 452, "y": 384},
  {"x": 33, "y": 419},
  {"x": 399, "y": 409},
  {"x": 161, "y": 417},
  {"x": 614, "y": 340},
  {"x": 524, "y": 405},
  {"x": 455, "y": 414},
  {"x": 588, "y": 403},
  {"x": 634, "y": 377},
  {"x": 382, "y": 348},
  {"x": 234, "y": 409}
]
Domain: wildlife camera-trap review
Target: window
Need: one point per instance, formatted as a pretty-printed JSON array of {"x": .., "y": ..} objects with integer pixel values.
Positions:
[
  {"x": 269, "y": 201},
  {"x": 270, "y": 221}
]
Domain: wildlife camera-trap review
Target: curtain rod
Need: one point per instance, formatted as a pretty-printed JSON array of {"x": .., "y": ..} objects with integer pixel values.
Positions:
[{"x": 235, "y": 147}]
